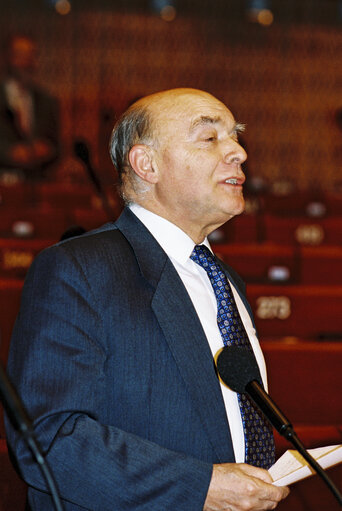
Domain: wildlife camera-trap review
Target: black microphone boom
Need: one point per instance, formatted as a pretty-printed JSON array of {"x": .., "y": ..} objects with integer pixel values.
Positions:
[
  {"x": 237, "y": 369},
  {"x": 21, "y": 422}
]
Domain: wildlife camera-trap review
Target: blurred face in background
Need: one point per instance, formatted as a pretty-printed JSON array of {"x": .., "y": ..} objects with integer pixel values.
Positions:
[{"x": 21, "y": 58}]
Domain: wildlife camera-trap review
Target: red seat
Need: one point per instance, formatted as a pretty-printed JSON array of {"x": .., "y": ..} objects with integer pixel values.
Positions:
[
  {"x": 312, "y": 494},
  {"x": 261, "y": 262},
  {"x": 66, "y": 195},
  {"x": 241, "y": 229},
  {"x": 10, "y": 291},
  {"x": 268, "y": 262},
  {"x": 24, "y": 194},
  {"x": 295, "y": 310},
  {"x": 305, "y": 381},
  {"x": 302, "y": 230},
  {"x": 44, "y": 223},
  {"x": 321, "y": 265},
  {"x": 333, "y": 203},
  {"x": 16, "y": 256},
  {"x": 89, "y": 219},
  {"x": 295, "y": 203},
  {"x": 12, "y": 489}
]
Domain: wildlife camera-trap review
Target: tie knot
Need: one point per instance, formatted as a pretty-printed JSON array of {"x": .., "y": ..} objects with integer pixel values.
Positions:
[{"x": 202, "y": 256}]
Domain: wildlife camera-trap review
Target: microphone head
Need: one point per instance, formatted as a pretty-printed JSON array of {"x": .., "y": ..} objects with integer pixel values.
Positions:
[
  {"x": 236, "y": 367},
  {"x": 81, "y": 150}
]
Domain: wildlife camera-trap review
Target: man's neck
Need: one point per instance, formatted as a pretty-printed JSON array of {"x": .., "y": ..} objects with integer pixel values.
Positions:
[{"x": 196, "y": 232}]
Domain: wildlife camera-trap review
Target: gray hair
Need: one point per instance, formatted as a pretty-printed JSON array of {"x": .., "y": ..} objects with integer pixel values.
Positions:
[{"x": 133, "y": 127}]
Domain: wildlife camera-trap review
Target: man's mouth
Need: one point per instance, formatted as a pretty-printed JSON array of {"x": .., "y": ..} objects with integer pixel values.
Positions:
[{"x": 231, "y": 181}]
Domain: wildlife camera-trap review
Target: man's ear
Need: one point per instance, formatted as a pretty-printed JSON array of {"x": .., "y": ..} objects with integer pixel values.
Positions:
[{"x": 140, "y": 159}]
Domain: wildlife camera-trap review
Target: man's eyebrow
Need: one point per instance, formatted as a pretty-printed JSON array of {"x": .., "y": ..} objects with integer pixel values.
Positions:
[
  {"x": 239, "y": 127},
  {"x": 204, "y": 120}
]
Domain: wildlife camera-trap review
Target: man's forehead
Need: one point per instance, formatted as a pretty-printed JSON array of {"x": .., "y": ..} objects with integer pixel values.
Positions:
[{"x": 193, "y": 109}]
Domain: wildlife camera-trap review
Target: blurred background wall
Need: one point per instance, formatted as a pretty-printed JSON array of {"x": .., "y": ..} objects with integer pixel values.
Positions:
[{"x": 277, "y": 64}]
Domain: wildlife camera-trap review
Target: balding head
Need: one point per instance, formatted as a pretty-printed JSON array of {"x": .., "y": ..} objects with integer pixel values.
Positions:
[{"x": 139, "y": 124}]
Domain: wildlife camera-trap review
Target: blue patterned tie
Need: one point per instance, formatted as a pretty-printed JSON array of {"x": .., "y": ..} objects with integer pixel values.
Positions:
[{"x": 259, "y": 441}]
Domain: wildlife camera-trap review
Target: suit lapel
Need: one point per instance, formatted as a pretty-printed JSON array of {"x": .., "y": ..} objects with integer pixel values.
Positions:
[
  {"x": 183, "y": 332},
  {"x": 189, "y": 347}
]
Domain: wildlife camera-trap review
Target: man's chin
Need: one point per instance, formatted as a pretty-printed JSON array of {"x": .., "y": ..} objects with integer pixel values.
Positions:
[
  {"x": 238, "y": 207},
  {"x": 232, "y": 212}
]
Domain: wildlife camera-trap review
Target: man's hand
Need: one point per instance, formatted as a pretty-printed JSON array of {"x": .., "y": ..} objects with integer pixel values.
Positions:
[
  {"x": 26, "y": 154},
  {"x": 241, "y": 487},
  {"x": 43, "y": 150},
  {"x": 20, "y": 154}
]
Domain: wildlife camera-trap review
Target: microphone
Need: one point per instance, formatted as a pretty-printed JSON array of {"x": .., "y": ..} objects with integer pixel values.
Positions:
[
  {"x": 81, "y": 151},
  {"x": 237, "y": 369},
  {"x": 22, "y": 423}
]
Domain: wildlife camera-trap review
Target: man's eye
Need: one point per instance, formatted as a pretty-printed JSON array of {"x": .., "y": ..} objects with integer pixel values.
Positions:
[{"x": 210, "y": 139}]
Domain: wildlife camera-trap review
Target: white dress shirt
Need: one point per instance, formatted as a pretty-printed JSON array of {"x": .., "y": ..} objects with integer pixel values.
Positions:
[
  {"x": 20, "y": 101},
  {"x": 179, "y": 246}
]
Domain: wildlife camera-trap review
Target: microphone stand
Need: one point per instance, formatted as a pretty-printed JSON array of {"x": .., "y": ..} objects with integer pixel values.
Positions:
[
  {"x": 237, "y": 368},
  {"x": 285, "y": 428},
  {"x": 21, "y": 422},
  {"x": 292, "y": 437}
]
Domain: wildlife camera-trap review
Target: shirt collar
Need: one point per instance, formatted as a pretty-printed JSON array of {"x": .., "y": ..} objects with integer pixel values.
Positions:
[{"x": 173, "y": 240}]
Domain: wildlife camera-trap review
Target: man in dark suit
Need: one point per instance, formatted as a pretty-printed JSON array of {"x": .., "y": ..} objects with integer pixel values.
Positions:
[
  {"x": 113, "y": 348},
  {"x": 29, "y": 128}
]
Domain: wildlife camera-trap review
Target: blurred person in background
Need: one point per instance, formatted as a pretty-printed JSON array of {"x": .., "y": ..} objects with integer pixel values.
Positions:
[{"x": 29, "y": 127}]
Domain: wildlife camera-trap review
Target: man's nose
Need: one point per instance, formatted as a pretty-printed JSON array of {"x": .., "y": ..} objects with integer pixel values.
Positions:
[{"x": 235, "y": 153}]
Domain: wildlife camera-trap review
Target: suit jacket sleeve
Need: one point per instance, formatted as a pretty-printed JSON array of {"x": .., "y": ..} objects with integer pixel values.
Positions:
[{"x": 57, "y": 362}]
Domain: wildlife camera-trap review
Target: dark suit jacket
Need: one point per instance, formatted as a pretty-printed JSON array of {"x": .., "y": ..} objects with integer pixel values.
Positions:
[
  {"x": 46, "y": 126},
  {"x": 112, "y": 363}
]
